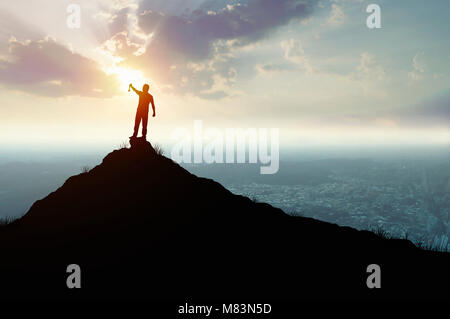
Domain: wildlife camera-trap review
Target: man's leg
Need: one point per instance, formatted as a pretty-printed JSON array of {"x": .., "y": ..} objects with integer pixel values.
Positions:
[
  {"x": 137, "y": 121},
  {"x": 144, "y": 123}
]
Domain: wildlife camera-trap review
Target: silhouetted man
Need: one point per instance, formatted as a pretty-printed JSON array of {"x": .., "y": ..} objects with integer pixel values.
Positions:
[{"x": 145, "y": 99}]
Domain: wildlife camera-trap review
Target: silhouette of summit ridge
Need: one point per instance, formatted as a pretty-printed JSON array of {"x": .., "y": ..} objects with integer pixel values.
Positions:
[{"x": 141, "y": 226}]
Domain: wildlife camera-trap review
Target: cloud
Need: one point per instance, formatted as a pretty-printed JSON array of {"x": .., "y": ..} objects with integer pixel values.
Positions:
[
  {"x": 121, "y": 46},
  {"x": 119, "y": 21},
  {"x": 432, "y": 112},
  {"x": 293, "y": 52},
  {"x": 149, "y": 20},
  {"x": 369, "y": 69},
  {"x": 370, "y": 76},
  {"x": 47, "y": 68},
  {"x": 418, "y": 68},
  {"x": 208, "y": 37},
  {"x": 273, "y": 68},
  {"x": 337, "y": 16},
  {"x": 112, "y": 19},
  {"x": 11, "y": 25},
  {"x": 194, "y": 35},
  {"x": 213, "y": 95},
  {"x": 295, "y": 60},
  {"x": 180, "y": 7}
]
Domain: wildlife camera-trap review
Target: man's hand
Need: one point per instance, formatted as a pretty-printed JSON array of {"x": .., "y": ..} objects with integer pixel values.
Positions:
[{"x": 154, "y": 114}]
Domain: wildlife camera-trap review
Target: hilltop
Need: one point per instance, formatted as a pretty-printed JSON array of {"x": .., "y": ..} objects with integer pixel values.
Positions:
[{"x": 141, "y": 226}]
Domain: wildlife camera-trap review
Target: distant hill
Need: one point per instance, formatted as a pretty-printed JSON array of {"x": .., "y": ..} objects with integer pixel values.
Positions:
[{"x": 141, "y": 226}]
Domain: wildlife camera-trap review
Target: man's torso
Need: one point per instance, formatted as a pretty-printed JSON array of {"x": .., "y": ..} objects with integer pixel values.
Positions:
[{"x": 144, "y": 100}]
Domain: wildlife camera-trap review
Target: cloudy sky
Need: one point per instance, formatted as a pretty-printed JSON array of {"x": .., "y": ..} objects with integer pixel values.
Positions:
[{"x": 311, "y": 68}]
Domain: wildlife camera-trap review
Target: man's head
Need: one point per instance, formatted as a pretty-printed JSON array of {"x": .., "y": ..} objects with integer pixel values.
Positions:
[{"x": 145, "y": 88}]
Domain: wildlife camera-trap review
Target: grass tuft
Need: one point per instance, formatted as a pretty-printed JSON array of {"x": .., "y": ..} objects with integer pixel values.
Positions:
[
  {"x": 382, "y": 233},
  {"x": 158, "y": 149},
  {"x": 421, "y": 243},
  {"x": 124, "y": 144},
  {"x": 85, "y": 169},
  {"x": 5, "y": 221}
]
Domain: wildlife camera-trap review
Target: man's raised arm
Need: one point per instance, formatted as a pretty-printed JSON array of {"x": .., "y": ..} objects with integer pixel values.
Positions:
[{"x": 137, "y": 91}]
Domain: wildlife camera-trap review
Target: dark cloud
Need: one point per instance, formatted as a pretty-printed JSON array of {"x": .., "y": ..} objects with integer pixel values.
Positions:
[
  {"x": 275, "y": 67},
  {"x": 47, "y": 68},
  {"x": 119, "y": 21},
  {"x": 434, "y": 111},
  {"x": 202, "y": 34},
  {"x": 172, "y": 7},
  {"x": 149, "y": 20},
  {"x": 194, "y": 34}
]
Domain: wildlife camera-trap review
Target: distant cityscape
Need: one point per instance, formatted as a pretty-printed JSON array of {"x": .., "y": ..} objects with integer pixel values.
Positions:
[{"x": 405, "y": 200}]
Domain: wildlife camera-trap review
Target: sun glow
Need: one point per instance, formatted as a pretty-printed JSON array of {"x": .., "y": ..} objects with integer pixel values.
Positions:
[{"x": 127, "y": 76}]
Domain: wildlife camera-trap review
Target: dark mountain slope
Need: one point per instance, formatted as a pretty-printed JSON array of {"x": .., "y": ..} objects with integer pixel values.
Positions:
[{"x": 140, "y": 226}]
